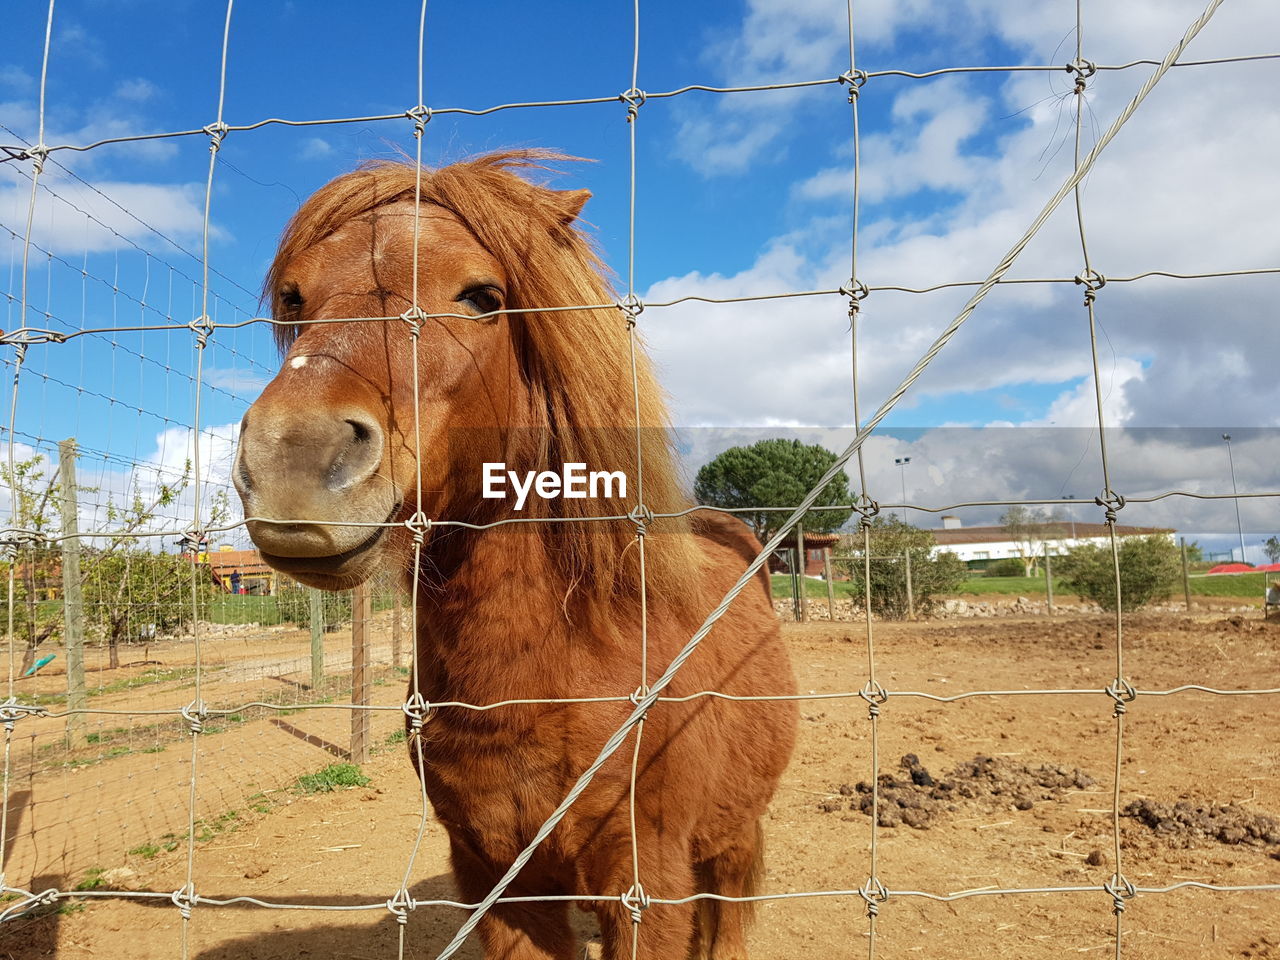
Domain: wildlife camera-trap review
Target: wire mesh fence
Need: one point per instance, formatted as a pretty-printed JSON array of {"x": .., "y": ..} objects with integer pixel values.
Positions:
[{"x": 138, "y": 537}]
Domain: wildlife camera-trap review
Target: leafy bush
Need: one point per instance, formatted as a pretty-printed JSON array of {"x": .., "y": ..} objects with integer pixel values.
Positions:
[
  {"x": 1150, "y": 569},
  {"x": 293, "y": 600},
  {"x": 930, "y": 575},
  {"x": 1011, "y": 567}
]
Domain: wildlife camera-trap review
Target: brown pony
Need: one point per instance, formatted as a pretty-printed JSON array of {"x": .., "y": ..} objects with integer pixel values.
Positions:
[{"x": 350, "y": 431}]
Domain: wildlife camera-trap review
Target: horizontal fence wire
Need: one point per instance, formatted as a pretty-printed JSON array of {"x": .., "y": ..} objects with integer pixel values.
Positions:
[{"x": 874, "y": 893}]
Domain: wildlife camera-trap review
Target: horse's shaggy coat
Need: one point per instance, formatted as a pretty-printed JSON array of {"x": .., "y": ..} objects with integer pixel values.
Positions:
[{"x": 527, "y": 611}]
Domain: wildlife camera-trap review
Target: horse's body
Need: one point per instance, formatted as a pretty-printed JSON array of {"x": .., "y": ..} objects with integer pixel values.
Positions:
[{"x": 527, "y": 611}]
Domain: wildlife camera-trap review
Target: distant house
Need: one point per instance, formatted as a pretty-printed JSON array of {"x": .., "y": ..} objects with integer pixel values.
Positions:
[
  {"x": 815, "y": 546},
  {"x": 241, "y": 571},
  {"x": 979, "y": 546}
]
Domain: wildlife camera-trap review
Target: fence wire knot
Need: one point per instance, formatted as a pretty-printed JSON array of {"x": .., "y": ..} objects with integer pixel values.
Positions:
[
  {"x": 25, "y": 336},
  {"x": 415, "y": 318},
  {"x": 1112, "y": 501},
  {"x": 1121, "y": 692},
  {"x": 421, "y": 116},
  {"x": 184, "y": 898},
  {"x": 202, "y": 327},
  {"x": 217, "y": 132},
  {"x": 634, "y": 99},
  {"x": 638, "y": 694},
  {"x": 400, "y": 905},
  {"x": 875, "y": 694},
  {"x": 632, "y": 306},
  {"x": 873, "y": 893},
  {"x": 15, "y": 539},
  {"x": 636, "y": 902},
  {"x": 855, "y": 79},
  {"x": 641, "y": 516},
  {"x": 1083, "y": 69},
  {"x": 856, "y": 291},
  {"x": 866, "y": 508},
  {"x": 11, "y": 711},
  {"x": 195, "y": 713},
  {"x": 1121, "y": 890},
  {"x": 1092, "y": 281},
  {"x": 418, "y": 710},
  {"x": 36, "y": 154},
  {"x": 30, "y": 902},
  {"x": 419, "y": 525}
]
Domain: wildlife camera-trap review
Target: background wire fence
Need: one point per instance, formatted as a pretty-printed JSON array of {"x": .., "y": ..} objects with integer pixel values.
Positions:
[{"x": 160, "y": 317}]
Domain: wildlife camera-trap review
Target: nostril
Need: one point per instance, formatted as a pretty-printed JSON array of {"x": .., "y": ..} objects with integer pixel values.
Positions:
[
  {"x": 360, "y": 430},
  {"x": 359, "y": 456}
]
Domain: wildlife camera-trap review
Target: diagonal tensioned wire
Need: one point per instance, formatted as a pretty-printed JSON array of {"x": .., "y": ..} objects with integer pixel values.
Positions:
[{"x": 752, "y": 568}]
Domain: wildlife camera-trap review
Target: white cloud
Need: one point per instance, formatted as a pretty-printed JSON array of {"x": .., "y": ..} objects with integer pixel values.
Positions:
[
  {"x": 1182, "y": 188},
  {"x": 315, "y": 148}
]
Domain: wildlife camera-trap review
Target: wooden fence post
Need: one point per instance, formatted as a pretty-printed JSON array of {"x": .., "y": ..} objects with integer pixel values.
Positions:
[
  {"x": 1048, "y": 581},
  {"x": 911, "y": 602},
  {"x": 801, "y": 586},
  {"x": 72, "y": 598},
  {"x": 1186, "y": 580},
  {"x": 395, "y": 629},
  {"x": 361, "y": 611},
  {"x": 317, "y": 637},
  {"x": 831, "y": 587}
]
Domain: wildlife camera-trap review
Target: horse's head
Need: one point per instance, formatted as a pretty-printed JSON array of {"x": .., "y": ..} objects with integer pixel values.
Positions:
[{"x": 351, "y": 432}]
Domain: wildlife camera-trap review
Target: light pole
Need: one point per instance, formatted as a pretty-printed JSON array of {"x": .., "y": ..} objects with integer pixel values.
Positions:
[
  {"x": 1235, "y": 494},
  {"x": 902, "y": 467}
]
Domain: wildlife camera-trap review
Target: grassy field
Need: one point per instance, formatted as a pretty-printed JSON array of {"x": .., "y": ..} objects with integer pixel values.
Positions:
[
  {"x": 232, "y": 608},
  {"x": 1245, "y": 585}
]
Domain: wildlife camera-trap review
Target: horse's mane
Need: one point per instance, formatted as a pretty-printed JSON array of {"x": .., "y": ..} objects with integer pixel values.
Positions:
[{"x": 578, "y": 363}]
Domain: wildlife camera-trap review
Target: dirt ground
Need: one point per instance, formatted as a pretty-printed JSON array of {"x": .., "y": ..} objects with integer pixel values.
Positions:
[{"x": 994, "y": 792}]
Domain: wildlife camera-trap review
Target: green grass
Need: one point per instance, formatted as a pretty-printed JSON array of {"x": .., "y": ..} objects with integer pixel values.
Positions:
[
  {"x": 331, "y": 778},
  {"x": 1032, "y": 587},
  {"x": 814, "y": 589},
  {"x": 92, "y": 879},
  {"x": 244, "y": 608},
  {"x": 1246, "y": 585}
]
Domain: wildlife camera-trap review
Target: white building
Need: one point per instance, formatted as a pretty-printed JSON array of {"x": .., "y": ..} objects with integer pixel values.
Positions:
[{"x": 977, "y": 546}]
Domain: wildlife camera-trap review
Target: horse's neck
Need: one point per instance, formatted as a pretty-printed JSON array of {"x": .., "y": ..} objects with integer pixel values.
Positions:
[{"x": 493, "y": 626}]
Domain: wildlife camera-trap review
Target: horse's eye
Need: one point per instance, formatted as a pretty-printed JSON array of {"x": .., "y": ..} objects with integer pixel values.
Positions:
[
  {"x": 483, "y": 299},
  {"x": 291, "y": 297}
]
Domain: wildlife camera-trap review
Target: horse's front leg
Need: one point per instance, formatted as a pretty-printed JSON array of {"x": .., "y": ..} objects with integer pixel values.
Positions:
[
  {"x": 511, "y": 931},
  {"x": 665, "y": 931}
]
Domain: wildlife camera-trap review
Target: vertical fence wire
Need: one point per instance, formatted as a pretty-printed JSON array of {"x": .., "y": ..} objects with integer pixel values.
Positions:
[{"x": 415, "y": 708}]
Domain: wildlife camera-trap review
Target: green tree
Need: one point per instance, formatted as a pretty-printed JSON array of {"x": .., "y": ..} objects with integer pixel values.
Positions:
[
  {"x": 774, "y": 473},
  {"x": 134, "y": 594},
  {"x": 1150, "y": 569},
  {"x": 931, "y": 573},
  {"x": 1272, "y": 548},
  {"x": 127, "y": 588},
  {"x": 34, "y": 565},
  {"x": 1195, "y": 554}
]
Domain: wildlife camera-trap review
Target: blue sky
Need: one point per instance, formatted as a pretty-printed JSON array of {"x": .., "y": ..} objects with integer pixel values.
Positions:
[{"x": 737, "y": 194}]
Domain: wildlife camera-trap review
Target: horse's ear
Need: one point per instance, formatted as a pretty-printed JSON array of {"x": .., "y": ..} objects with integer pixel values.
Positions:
[{"x": 570, "y": 203}]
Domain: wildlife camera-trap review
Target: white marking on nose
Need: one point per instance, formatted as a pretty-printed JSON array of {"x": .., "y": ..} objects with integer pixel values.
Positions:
[{"x": 298, "y": 362}]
